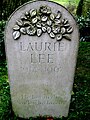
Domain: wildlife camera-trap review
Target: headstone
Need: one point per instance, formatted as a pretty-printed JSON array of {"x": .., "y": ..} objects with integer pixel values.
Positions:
[{"x": 41, "y": 40}]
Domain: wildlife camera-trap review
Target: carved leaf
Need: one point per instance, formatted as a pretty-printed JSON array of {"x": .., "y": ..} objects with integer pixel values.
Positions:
[
  {"x": 43, "y": 24},
  {"x": 49, "y": 29},
  {"x": 26, "y": 23},
  {"x": 59, "y": 37},
  {"x": 67, "y": 25},
  {"x": 27, "y": 13},
  {"x": 16, "y": 27},
  {"x": 44, "y": 29},
  {"x": 34, "y": 20},
  {"x": 23, "y": 30},
  {"x": 67, "y": 36},
  {"x": 39, "y": 32},
  {"x": 33, "y": 12},
  {"x": 19, "y": 22},
  {"x": 52, "y": 35},
  {"x": 16, "y": 35},
  {"x": 38, "y": 24},
  {"x": 52, "y": 16},
  {"x": 69, "y": 30},
  {"x": 65, "y": 21},
  {"x": 23, "y": 18},
  {"x": 57, "y": 21},
  {"x": 49, "y": 22}
]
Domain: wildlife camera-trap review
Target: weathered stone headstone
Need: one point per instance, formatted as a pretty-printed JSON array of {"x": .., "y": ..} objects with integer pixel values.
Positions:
[{"x": 41, "y": 40}]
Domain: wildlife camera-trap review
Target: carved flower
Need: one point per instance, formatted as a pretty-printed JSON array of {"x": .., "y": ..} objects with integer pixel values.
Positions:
[
  {"x": 45, "y": 9},
  {"x": 56, "y": 29},
  {"x": 31, "y": 30}
]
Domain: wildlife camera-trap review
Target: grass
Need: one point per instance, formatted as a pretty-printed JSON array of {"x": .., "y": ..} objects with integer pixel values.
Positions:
[{"x": 80, "y": 102}]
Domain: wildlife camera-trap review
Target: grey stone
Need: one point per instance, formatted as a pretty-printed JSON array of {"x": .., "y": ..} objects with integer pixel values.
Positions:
[{"x": 41, "y": 68}]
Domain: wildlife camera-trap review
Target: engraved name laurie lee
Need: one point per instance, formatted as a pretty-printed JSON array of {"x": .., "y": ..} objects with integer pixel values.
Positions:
[{"x": 41, "y": 53}]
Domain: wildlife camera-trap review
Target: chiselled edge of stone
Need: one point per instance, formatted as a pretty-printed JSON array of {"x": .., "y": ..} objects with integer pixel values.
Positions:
[{"x": 37, "y": 22}]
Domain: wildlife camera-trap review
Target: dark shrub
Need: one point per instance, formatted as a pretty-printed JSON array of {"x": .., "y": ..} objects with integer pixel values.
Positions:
[
  {"x": 84, "y": 26},
  {"x": 2, "y": 46}
]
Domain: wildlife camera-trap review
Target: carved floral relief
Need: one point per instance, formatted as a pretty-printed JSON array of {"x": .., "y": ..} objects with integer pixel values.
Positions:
[{"x": 36, "y": 22}]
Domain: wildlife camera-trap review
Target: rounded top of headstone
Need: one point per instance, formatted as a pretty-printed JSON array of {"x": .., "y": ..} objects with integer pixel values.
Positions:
[{"x": 40, "y": 17}]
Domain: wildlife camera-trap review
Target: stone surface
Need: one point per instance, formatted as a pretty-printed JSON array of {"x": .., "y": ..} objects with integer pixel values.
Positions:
[{"x": 41, "y": 60}]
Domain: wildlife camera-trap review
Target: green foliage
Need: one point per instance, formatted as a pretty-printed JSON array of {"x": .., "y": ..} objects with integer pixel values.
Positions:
[
  {"x": 6, "y": 112},
  {"x": 86, "y": 7},
  {"x": 80, "y": 102},
  {"x": 69, "y": 4},
  {"x": 84, "y": 26},
  {"x": 63, "y": 2},
  {"x": 79, "y": 8},
  {"x": 2, "y": 47},
  {"x": 84, "y": 21},
  {"x": 8, "y": 6},
  {"x": 81, "y": 97}
]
